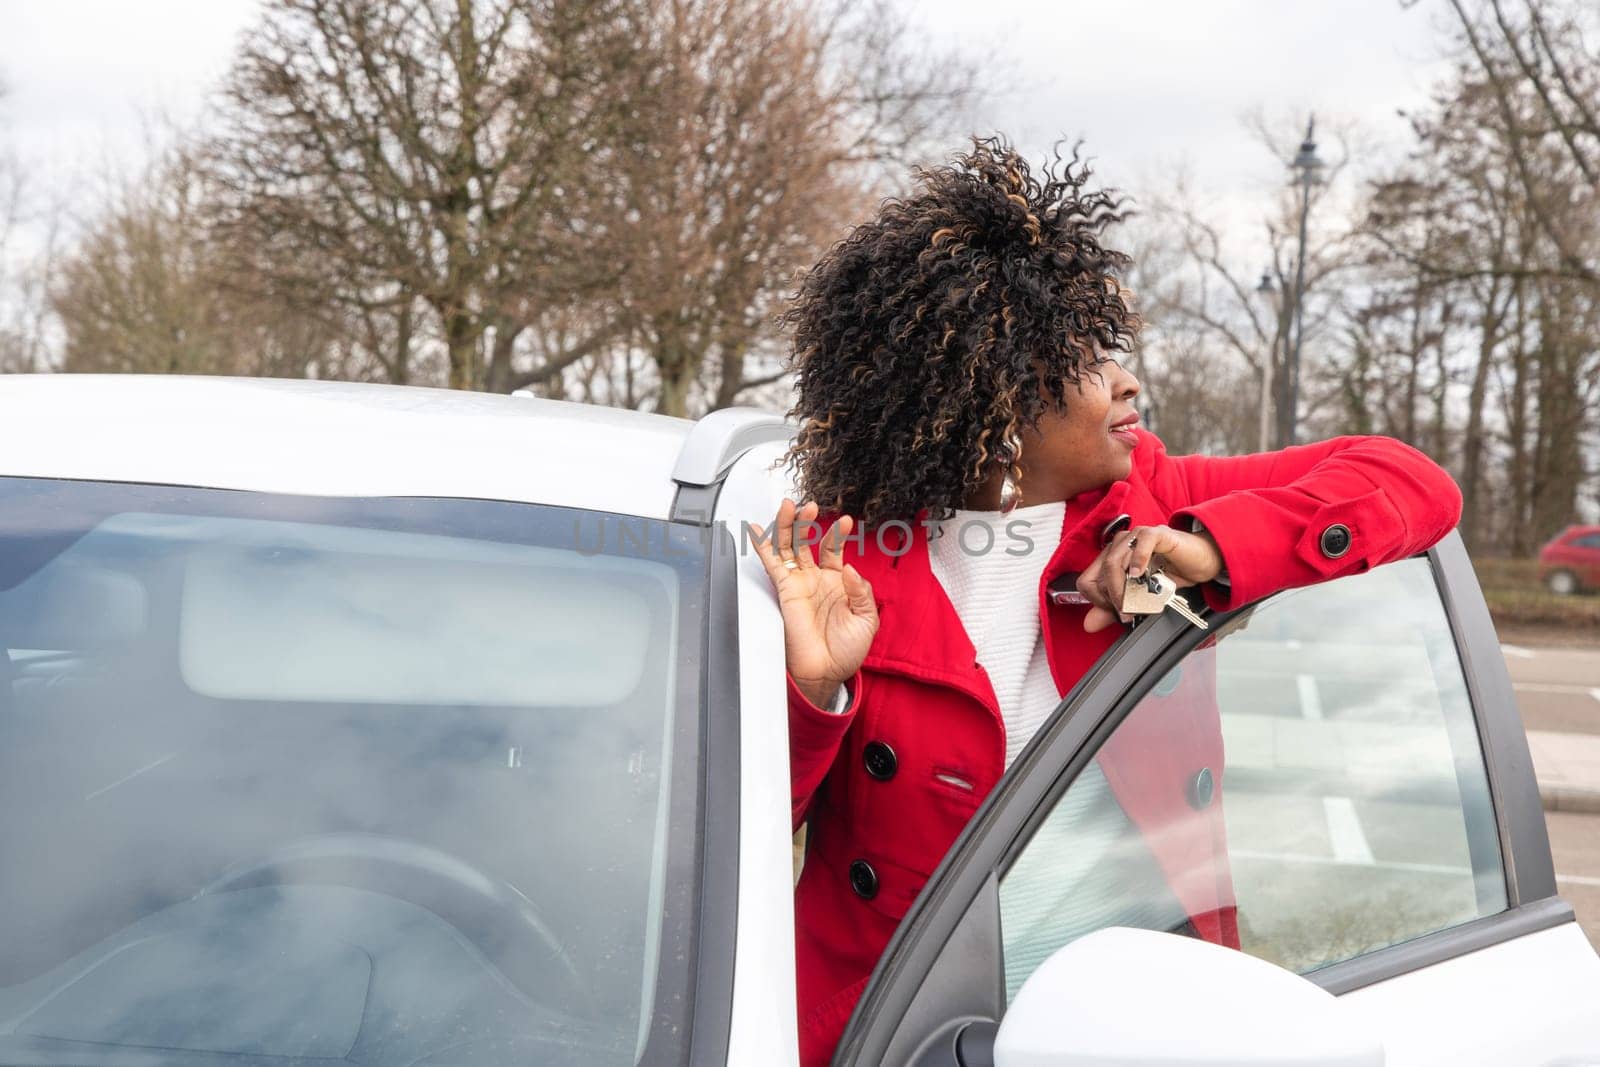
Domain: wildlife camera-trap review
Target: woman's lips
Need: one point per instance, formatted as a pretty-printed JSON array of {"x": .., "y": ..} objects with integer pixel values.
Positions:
[{"x": 1125, "y": 432}]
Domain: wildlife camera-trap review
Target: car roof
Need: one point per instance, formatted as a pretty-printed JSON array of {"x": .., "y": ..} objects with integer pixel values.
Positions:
[{"x": 337, "y": 439}]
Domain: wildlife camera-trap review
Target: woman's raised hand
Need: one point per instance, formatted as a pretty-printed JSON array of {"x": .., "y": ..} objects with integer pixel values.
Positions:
[{"x": 829, "y": 616}]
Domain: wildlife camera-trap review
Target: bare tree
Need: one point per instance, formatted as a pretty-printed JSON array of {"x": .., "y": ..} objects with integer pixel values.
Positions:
[
  {"x": 530, "y": 186},
  {"x": 28, "y": 238},
  {"x": 1198, "y": 393},
  {"x": 1479, "y": 319},
  {"x": 1210, "y": 291},
  {"x": 139, "y": 292},
  {"x": 1538, "y": 62},
  {"x": 425, "y": 150},
  {"x": 761, "y": 129},
  {"x": 737, "y": 172}
]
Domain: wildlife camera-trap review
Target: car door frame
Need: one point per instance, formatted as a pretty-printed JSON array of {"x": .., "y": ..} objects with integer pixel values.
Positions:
[{"x": 943, "y": 969}]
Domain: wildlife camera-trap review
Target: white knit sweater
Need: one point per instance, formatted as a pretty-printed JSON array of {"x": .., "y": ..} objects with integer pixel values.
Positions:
[{"x": 984, "y": 561}]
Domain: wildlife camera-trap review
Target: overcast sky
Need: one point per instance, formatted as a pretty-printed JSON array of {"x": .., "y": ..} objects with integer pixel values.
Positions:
[{"x": 1150, "y": 84}]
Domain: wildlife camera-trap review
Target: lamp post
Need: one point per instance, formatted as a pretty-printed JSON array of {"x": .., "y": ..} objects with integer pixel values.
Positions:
[
  {"x": 1268, "y": 362},
  {"x": 1307, "y": 169}
]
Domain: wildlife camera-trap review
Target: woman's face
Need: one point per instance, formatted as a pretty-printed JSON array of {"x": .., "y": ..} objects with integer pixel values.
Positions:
[{"x": 1088, "y": 442}]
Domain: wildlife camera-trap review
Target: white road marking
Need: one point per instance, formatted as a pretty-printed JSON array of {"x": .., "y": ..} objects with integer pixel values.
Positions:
[
  {"x": 130, "y": 777},
  {"x": 1558, "y": 687},
  {"x": 1520, "y": 653},
  {"x": 1328, "y": 861},
  {"x": 1310, "y": 699},
  {"x": 1344, "y": 831},
  {"x": 1577, "y": 879}
]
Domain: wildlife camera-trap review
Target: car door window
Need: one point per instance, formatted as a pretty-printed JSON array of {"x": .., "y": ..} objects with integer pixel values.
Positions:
[{"x": 1307, "y": 784}]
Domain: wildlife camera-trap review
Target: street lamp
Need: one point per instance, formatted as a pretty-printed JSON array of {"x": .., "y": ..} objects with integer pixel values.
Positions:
[
  {"x": 1307, "y": 174},
  {"x": 1269, "y": 292}
]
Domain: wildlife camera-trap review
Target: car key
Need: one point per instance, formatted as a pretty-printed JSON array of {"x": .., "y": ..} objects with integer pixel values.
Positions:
[{"x": 1154, "y": 593}]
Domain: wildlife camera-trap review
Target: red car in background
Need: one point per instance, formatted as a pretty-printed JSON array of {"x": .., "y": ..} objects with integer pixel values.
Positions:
[{"x": 1570, "y": 563}]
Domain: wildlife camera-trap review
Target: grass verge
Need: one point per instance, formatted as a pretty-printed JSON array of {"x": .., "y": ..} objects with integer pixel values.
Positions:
[{"x": 1516, "y": 597}]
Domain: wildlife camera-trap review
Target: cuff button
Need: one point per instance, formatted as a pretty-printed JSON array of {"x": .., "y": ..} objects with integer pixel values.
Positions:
[{"x": 1336, "y": 540}]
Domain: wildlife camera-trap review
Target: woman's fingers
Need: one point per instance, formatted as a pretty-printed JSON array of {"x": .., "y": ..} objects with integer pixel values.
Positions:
[
  {"x": 795, "y": 531},
  {"x": 1137, "y": 555},
  {"x": 1098, "y": 619},
  {"x": 833, "y": 543},
  {"x": 1096, "y": 585},
  {"x": 805, "y": 533},
  {"x": 1145, "y": 543},
  {"x": 1104, "y": 581},
  {"x": 858, "y": 591},
  {"x": 783, "y": 530},
  {"x": 767, "y": 551},
  {"x": 1114, "y": 576},
  {"x": 785, "y": 547}
]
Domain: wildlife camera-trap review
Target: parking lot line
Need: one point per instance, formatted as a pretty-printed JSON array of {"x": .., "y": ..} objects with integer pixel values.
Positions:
[
  {"x": 1344, "y": 831},
  {"x": 1568, "y": 688},
  {"x": 1578, "y": 879},
  {"x": 1310, "y": 699}
]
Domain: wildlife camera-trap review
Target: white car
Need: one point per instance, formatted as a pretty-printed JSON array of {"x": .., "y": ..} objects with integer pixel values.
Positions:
[{"x": 397, "y": 726}]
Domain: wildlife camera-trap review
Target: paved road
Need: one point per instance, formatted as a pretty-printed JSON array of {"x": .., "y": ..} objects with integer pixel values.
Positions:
[
  {"x": 1559, "y": 689},
  {"x": 1575, "y": 840}
]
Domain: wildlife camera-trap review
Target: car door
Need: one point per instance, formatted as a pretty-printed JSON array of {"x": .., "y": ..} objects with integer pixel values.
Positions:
[
  {"x": 1587, "y": 557},
  {"x": 1384, "y": 836}
]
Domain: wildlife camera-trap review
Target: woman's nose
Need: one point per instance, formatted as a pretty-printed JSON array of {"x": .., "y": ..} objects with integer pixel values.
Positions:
[{"x": 1127, "y": 387}]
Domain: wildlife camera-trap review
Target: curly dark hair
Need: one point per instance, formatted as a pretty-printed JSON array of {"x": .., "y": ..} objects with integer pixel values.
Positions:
[{"x": 922, "y": 340}]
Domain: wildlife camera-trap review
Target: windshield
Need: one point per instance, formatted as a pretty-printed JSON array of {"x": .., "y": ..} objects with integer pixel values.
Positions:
[{"x": 392, "y": 781}]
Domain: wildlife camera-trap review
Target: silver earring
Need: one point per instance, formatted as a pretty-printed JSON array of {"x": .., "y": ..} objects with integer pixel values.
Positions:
[{"x": 1010, "y": 494}]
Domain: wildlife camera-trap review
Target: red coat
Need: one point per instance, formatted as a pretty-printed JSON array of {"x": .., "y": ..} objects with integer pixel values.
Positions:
[{"x": 922, "y": 691}]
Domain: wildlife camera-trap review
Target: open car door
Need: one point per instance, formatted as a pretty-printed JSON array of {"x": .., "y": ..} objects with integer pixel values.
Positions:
[{"x": 1374, "y": 840}]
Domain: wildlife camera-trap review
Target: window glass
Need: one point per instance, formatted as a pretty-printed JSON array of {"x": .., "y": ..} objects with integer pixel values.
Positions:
[
  {"x": 392, "y": 780},
  {"x": 1307, "y": 785},
  {"x": 1588, "y": 541}
]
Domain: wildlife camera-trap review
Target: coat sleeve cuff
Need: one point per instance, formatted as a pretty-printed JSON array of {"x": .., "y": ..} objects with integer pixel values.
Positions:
[
  {"x": 1196, "y": 526},
  {"x": 1237, "y": 552},
  {"x": 815, "y": 733},
  {"x": 1265, "y": 552}
]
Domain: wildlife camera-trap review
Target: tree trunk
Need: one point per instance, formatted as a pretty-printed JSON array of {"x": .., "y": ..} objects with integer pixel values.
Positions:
[
  {"x": 498, "y": 377},
  {"x": 675, "y": 364},
  {"x": 1472, "y": 443},
  {"x": 676, "y": 378},
  {"x": 462, "y": 346},
  {"x": 1558, "y": 459},
  {"x": 733, "y": 362},
  {"x": 401, "y": 374},
  {"x": 1517, "y": 428}
]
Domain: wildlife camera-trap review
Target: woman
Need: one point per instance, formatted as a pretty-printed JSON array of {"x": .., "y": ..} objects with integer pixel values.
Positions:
[{"x": 955, "y": 374}]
